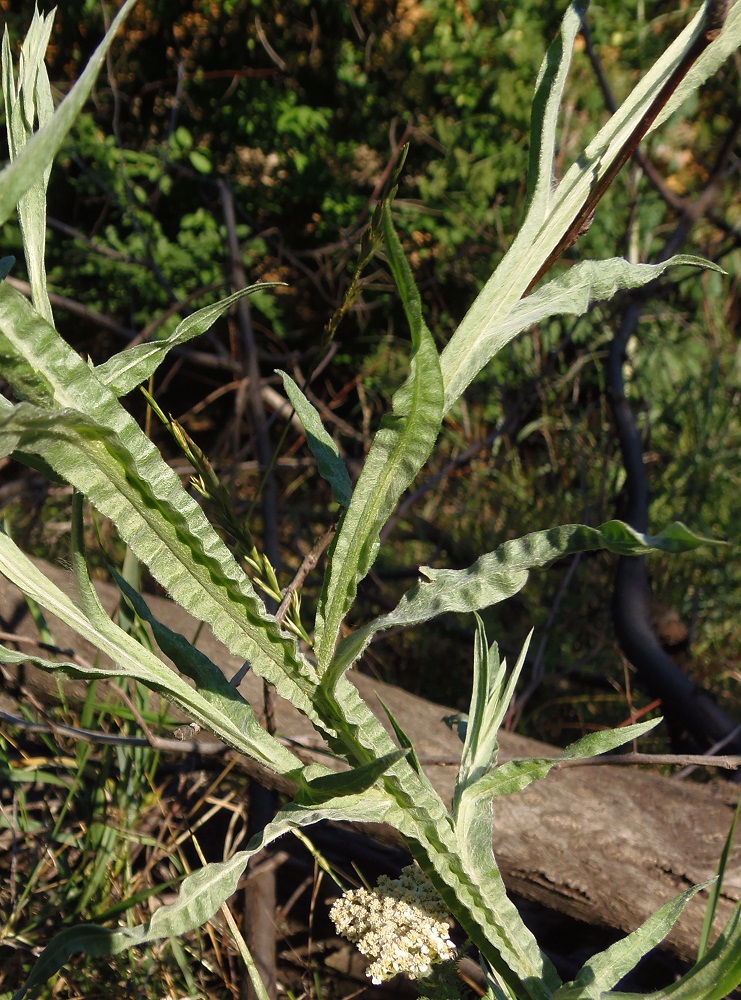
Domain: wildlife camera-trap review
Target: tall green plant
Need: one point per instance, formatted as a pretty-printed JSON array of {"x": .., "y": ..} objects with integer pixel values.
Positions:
[{"x": 69, "y": 421}]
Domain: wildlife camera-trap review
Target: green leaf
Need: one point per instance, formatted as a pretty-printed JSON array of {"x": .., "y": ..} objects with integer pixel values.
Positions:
[
  {"x": 399, "y": 449},
  {"x": 405, "y": 741},
  {"x": 514, "y": 775},
  {"x": 714, "y": 977},
  {"x": 572, "y": 294},
  {"x": 128, "y": 369},
  {"x": 201, "y": 893},
  {"x": 26, "y": 102},
  {"x": 210, "y": 682},
  {"x": 607, "y": 740},
  {"x": 478, "y": 337},
  {"x": 490, "y": 698},
  {"x": 323, "y": 448},
  {"x": 549, "y": 89},
  {"x": 709, "y": 62},
  {"x": 484, "y": 912},
  {"x": 36, "y": 157},
  {"x": 231, "y": 718},
  {"x": 604, "y": 970},
  {"x": 474, "y": 832},
  {"x": 502, "y": 573},
  {"x": 82, "y": 431},
  {"x": 337, "y": 785}
]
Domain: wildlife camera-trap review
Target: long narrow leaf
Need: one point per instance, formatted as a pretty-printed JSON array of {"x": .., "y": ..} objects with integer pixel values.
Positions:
[
  {"x": 400, "y": 448},
  {"x": 128, "y": 369},
  {"x": 492, "y": 719},
  {"x": 714, "y": 977},
  {"x": 474, "y": 836},
  {"x": 502, "y": 573},
  {"x": 709, "y": 62},
  {"x": 37, "y": 155},
  {"x": 604, "y": 970},
  {"x": 714, "y": 895},
  {"x": 323, "y": 448},
  {"x": 485, "y": 913},
  {"x": 549, "y": 89},
  {"x": 571, "y": 294},
  {"x": 490, "y": 699},
  {"x": 514, "y": 775},
  {"x": 232, "y": 719},
  {"x": 30, "y": 101},
  {"x": 475, "y": 340},
  {"x": 97, "y": 447}
]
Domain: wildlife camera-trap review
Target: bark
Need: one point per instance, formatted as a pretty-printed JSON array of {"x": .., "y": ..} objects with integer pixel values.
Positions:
[{"x": 605, "y": 845}]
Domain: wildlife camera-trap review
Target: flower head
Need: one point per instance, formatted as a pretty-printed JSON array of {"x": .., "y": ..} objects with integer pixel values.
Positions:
[{"x": 401, "y": 924}]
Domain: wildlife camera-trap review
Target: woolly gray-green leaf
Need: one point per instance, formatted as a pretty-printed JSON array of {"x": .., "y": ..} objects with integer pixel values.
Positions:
[
  {"x": 37, "y": 155},
  {"x": 231, "y": 718},
  {"x": 514, "y": 775},
  {"x": 128, "y": 369},
  {"x": 502, "y": 573},
  {"x": 81, "y": 430},
  {"x": 26, "y": 102},
  {"x": 571, "y": 294},
  {"x": 399, "y": 449},
  {"x": 709, "y": 62},
  {"x": 714, "y": 977},
  {"x": 478, "y": 337},
  {"x": 201, "y": 893},
  {"x": 323, "y": 448},
  {"x": 487, "y": 915},
  {"x": 549, "y": 88},
  {"x": 604, "y": 970},
  {"x": 490, "y": 698}
]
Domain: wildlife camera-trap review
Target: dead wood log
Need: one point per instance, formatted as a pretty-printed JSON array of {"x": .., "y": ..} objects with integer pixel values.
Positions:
[{"x": 604, "y": 845}]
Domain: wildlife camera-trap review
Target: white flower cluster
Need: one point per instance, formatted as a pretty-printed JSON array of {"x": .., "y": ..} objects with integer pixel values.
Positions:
[{"x": 401, "y": 925}]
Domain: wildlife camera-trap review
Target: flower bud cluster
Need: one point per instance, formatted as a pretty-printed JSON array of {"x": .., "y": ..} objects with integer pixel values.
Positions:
[{"x": 401, "y": 925}]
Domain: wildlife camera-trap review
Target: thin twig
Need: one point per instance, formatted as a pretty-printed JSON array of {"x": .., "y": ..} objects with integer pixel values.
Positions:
[
  {"x": 308, "y": 564},
  {"x": 111, "y": 739},
  {"x": 27, "y": 640},
  {"x": 730, "y": 762}
]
